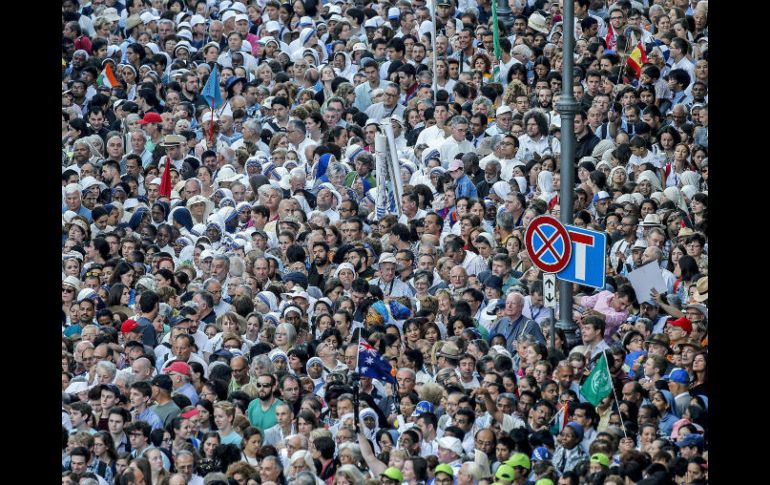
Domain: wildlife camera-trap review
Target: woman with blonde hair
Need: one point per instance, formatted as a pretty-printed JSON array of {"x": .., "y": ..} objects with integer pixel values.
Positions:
[
  {"x": 224, "y": 414},
  {"x": 159, "y": 474},
  {"x": 445, "y": 303},
  {"x": 266, "y": 75},
  {"x": 279, "y": 139},
  {"x": 242, "y": 472},
  {"x": 287, "y": 90},
  {"x": 514, "y": 89},
  {"x": 346, "y": 92}
]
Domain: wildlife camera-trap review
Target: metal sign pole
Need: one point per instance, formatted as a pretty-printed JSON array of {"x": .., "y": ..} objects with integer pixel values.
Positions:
[
  {"x": 433, "y": 50},
  {"x": 567, "y": 108}
]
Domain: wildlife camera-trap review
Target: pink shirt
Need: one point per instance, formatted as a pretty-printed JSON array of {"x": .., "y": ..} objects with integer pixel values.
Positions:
[{"x": 601, "y": 303}]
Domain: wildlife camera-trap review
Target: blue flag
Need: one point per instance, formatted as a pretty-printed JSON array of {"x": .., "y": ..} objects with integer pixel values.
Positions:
[
  {"x": 372, "y": 364},
  {"x": 211, "y": 92}
]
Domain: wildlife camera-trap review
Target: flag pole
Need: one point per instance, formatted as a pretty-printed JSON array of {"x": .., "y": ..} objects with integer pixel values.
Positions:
[
  {"x": 356, "y": 378},
  {"x": 211, "y": 122},
  {"x": 630, "y": 40},
  {"x": 615, "y": 395},
  {"x": 434, "y": 55},
  {"x": 358, "y": 345}
]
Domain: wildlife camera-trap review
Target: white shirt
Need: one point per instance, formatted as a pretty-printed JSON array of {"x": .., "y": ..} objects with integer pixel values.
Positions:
[
  {"x": 451, "y": 147},
  {"x": 378, "y": 111},
  {"x": 419, "y": 215},
  {"x": 333, "y": 215},
  {"x": 222, "y": 307},
  {"x": 302, "y": 146},
  {"x": 687, "y": 65},
  {"x": 430, "y": 133},
  {"x": 473, "y": 263},
  {"x": 636, "y": 160},
  {"x": 193, "y": 358},
  {"x": 506, "y": 173},
  {"x": 199, "y": 337},
  {"x": 528, "y": 146}
]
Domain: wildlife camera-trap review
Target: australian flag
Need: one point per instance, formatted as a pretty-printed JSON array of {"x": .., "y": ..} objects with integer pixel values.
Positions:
[{"x": 372, "y": 364}]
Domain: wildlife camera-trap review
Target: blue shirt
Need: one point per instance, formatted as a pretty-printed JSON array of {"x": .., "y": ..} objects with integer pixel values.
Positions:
[
  {"x": 150, "y": 418},
  {"x": 189, "y": 391},
  {"x": 83, "y": 211},
  {"x": 513, "y": 330},
  {"x": 465, "y": 188}
]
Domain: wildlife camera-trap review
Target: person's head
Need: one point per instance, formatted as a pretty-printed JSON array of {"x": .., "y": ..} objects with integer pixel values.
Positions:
[{"x": 592, "y": 329}]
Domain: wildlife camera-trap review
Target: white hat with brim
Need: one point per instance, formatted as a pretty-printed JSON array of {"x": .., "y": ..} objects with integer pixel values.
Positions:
[{"x": 197, "y": 199}]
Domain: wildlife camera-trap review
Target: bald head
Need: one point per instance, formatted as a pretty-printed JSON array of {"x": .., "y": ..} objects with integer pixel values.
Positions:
[
  {"x": 652, "y": 253},
  {"x": 142, "y": 369}
]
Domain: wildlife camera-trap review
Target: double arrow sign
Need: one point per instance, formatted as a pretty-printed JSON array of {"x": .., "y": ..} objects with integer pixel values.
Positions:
[{"x": 549, "y": 290}]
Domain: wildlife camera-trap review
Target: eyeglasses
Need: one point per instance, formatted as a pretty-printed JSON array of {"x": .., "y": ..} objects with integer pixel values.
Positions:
[
  {"x": 68, "y": 290},
  {"x": 264, "y": 385}
]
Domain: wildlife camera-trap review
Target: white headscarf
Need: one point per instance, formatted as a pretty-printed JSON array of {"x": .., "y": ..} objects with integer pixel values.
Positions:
[
  {"x": 689, "y": 177},
  {"x": 345, "y": 265},
  {"x": 674, "y": 195},
  {"x": 501, "y": 189},
  {"x": 650, "y": 176},
  {"x": 545, "y": 184}
]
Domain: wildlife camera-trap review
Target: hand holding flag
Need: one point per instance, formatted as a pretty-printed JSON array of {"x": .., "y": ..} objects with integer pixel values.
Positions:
[{"x": 599, "y": 382}]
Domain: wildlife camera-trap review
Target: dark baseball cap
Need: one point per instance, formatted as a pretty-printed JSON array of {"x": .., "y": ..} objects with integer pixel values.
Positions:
[{"x": 163, "y": 381}]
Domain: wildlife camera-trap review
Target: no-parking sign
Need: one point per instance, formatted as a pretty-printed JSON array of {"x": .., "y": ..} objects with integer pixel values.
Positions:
[{"x": 548, "y": 244}]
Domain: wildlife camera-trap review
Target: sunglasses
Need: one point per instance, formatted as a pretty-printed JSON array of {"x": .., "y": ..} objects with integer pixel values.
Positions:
[{"x": 68, "y": 290}]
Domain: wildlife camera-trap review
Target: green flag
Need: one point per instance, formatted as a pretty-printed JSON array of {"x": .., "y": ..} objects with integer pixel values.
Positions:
[
  {"x": 599, "y": 382},
  {"x": 496, "y": 36}
]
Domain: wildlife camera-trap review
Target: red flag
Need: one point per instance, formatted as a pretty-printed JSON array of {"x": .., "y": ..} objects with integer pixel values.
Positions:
[
  {"x": 552, "y": 203},
  {"x": 610, "y": 39},
  {"x": 637, "y": 59},
  {"x": 165, "y": 181}
]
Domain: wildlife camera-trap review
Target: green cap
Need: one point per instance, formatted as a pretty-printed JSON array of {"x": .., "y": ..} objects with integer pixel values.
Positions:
[
  {"x": 444, "y": 468},
  {"x": 544, "y": 481},
  {"x": 518, "y": 459},
  {"x": 505, "y": 472},
  {"x": 601, "y": 459},
  {"x": 393, "y": 473}
]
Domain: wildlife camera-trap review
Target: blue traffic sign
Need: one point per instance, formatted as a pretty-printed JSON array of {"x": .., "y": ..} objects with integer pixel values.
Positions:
[{"x": 587, "y": 265}]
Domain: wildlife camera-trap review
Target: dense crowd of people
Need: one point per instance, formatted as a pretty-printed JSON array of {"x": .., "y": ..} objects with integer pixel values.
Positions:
[{"x": 234, "y": 310}]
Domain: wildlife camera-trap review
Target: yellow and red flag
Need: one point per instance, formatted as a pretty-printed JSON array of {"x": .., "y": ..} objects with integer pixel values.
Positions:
[{"x": 637, "y": 59}]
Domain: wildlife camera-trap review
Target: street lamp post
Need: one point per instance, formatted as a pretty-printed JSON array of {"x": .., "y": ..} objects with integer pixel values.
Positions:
[{"x": 567, "y": 108}]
